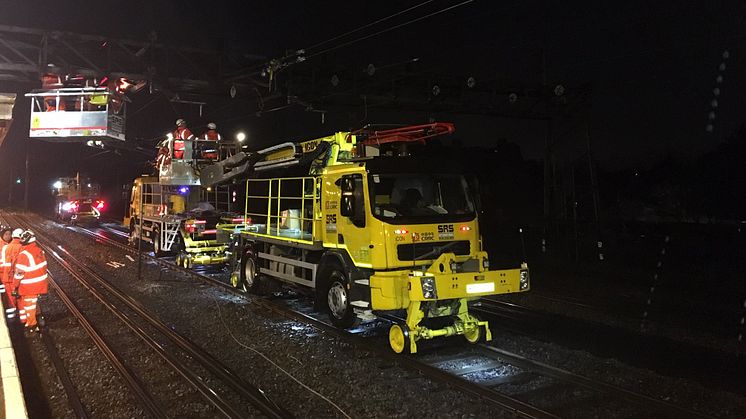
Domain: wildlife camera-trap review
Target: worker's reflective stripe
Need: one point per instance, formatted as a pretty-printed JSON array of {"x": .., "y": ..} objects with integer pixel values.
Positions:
[
  {"x": 33, "y": 307},
  {"x": 39, "y": 265},
  {"x": 34, "y": 280},
  {"x": 31, "y": 271},
  {"x": 31, "y": 262},
  {"x": 10, "y": 310}
]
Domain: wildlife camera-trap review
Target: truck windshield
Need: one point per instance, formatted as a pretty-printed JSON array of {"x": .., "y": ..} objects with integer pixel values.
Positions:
[{"x": 420, "y": 198}]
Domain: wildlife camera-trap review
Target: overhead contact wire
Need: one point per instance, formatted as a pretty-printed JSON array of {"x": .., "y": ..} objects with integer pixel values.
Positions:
[{"x": 344, "y": 44}]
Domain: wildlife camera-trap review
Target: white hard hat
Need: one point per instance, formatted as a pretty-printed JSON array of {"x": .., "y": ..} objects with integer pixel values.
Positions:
[
  {"x": 212, "y": 125},
  {"x": 17, "y": 233},
  {"x": 180, "y": 122},
  {"x": 27, "y": 237}
]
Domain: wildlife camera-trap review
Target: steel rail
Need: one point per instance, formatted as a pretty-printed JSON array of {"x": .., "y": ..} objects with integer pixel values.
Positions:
[
  {"x": 640, "y": 399},
  {"x": 137, "y": 387},
  {"x": 190, "y": 376},
  {"x": 72, "y": 394},
  {"x": 255, "y": 395}
]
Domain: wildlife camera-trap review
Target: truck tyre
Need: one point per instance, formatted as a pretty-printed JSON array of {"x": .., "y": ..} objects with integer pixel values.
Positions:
[
  {"x": 157, "y": 250},
  {"x": 248, "y": 280},
  {"x": 133, "y": 234},
  {"x": 336, "y": 295}
]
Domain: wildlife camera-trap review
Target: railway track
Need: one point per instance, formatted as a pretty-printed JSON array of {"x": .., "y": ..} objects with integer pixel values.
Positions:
[
  {"x": 189, "y": 361},
  {"x": 138, "y": 388},
  {"x": 667, "y": 356},
  {"x": 481, "y": 370}
]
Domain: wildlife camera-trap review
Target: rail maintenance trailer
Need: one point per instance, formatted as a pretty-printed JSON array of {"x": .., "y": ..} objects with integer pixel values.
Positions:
[
  {"x": 367, "y": 230},
  {"x": 78, "y": 200},
  {"x": 157, "y": 214}
]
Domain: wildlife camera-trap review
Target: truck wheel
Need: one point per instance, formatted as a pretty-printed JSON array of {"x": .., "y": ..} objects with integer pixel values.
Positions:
[
  {"x": 133, "y": 234},
  {"x": 157, "y": 251},
  {"x": 248, "y": 276},
  {"x": 338, "y": 304}
]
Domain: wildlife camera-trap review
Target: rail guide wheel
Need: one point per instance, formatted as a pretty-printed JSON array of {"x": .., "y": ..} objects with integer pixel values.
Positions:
[
  {"x": 400, "y": 338},
  {"x": 185, "y": 260},
  {"x": 476, "y": 330},
  {"x": 473, "y": 335}
]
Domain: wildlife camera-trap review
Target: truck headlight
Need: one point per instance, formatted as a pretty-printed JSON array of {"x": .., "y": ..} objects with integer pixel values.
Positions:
[
  {"x": 524, "y": 279},
  {"x": 428, "y": 288},
  {"x": 486, "y": 264}
]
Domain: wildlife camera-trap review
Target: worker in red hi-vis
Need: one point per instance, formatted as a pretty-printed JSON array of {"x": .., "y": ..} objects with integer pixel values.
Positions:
[
  {"x": 54, "y": 103},
  {"x": 5, "y": 239},
  {"x": 30, "y": 279},
  {"x": 181, "y": 134},
  {"x": 8, "y": 255},
  {"x": 210, "y": 140}
]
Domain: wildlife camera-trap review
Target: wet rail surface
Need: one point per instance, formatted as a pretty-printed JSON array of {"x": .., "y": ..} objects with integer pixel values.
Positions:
[
  {"x": 190, "y": 361},
  {"x": 489, "y": 372}
]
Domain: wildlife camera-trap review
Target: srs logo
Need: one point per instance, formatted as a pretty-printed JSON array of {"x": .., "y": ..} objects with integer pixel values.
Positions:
[
  {"x": 445, "y": 228},
  {"x": 445, "y": 231}
]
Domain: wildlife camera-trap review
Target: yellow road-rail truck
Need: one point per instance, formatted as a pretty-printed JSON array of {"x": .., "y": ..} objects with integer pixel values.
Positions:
[
  {"x": 176, "y": 220},
  {"x": 367, "y": 229}
]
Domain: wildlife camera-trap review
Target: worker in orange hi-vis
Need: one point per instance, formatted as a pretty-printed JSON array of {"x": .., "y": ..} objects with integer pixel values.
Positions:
[
  {"x": 5, "y": 239},
  {"x": 54, "y": 103},
  {"x": 181, "y": 134},
  {"x": 211, "y": 138},
  {"x": 8, "y": 254},
  {"x": 30, "y": 280}
]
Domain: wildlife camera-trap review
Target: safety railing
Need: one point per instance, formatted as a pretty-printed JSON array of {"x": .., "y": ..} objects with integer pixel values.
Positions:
[{"x": 286, "y": 208}]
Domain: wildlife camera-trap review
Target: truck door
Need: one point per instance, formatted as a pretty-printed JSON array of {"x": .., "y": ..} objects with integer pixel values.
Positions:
[{"x": 352, "y": 227}]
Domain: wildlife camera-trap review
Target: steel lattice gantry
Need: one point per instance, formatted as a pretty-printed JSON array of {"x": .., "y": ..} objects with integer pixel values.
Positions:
[{"x": 25, "y": 54}]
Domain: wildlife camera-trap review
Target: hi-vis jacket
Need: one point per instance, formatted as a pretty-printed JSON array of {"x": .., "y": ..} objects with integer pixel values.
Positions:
[
  {"x": 8, "y": 254},
  {"x": 212, "y": 135},
  {"x": 181, "y": 134},
  {"x": 31, "y": 271}
]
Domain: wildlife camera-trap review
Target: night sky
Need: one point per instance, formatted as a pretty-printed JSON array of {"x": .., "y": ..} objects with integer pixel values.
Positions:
[{"x": 651, "y": 66}]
